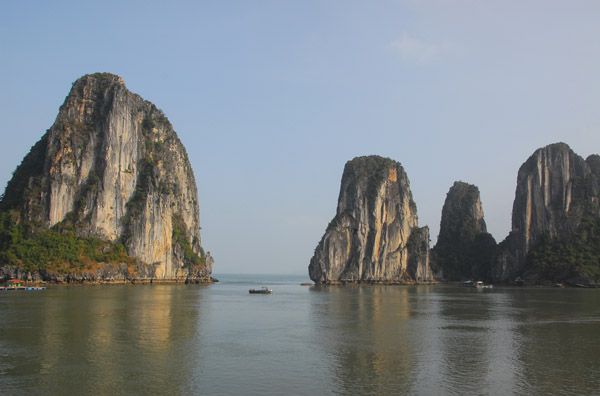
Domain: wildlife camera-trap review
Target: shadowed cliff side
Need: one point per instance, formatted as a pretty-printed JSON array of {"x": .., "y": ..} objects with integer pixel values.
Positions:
[
  {"x": 374, "y": 236},
  {"x": 464, "y": 249},
  {"x": 555, "y": 231},
  {"x": 109, "y": 182}
]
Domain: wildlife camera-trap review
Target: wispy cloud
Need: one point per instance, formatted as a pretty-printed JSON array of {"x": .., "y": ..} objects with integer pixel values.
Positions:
[{"x": 415, "y": 50}]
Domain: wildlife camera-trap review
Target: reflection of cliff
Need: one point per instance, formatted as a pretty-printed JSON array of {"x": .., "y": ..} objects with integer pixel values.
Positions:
[
  {"x": 382, "y": 340},
  {"x": 367, "y": 337},
  {"x": 478, "y": 347},
  {"x": 120, "y": 335},
  {"x": 563, "y": 338}
]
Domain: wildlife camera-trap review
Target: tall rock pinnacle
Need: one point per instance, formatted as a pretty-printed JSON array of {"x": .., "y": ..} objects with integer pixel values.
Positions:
[
  {"x": 555, "y": 187},
  {"x": 463, "y": 237},
  {"x": 374, "y": 235},
  {"x": 112, "y": 167}
]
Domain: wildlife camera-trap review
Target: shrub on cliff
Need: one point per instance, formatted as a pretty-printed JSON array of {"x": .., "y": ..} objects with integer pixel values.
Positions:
[{"x": 579, "y": 255}]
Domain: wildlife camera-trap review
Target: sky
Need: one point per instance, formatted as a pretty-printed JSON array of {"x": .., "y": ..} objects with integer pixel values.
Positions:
[{"x": 272, "y": 97}]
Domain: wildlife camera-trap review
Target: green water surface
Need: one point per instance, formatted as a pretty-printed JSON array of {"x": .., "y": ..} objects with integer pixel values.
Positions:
[{"x": 354, "y": 340}]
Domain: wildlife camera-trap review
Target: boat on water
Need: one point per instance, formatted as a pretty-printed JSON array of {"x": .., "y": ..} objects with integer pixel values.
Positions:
[
  {"x": 262, "y": 290},
  {"x": 476, "y": 285},
  {"x": 18, "y": 284},
  {"x": 480, "y": 285}
]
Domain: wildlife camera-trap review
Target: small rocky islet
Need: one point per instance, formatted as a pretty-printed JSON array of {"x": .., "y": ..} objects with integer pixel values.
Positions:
[{"x": 108, "y": 195}]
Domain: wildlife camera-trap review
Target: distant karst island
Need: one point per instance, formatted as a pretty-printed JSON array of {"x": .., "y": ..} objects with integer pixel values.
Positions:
[
  {"x": 555, "y": 237},
  {"x": 106, "y": 195}
]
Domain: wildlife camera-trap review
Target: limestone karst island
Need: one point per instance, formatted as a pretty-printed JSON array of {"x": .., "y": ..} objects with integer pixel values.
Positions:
[
  {"x": 106, "y": 195},
  {"x": 555, "y": 238}
]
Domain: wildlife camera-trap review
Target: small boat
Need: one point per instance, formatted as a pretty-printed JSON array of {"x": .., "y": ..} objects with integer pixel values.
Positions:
[
  {"x": 18, "y": 284},
  {"x": 519, "y": 281},
  {"x": 262, "y": 290},
  {"x": 480, "y": 285},
  {"x": 476, "y": 285}
]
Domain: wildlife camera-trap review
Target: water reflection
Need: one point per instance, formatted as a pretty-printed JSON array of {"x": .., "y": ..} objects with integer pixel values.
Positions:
[
  {"x": 427, "y": 340},
  {"x": 104, "y": 340},
  {"x": 366, "y": 332},
  {"x": 385, "y": 340},
  {"x": 477, "y": 342},
  {"x": 561, "y": 355}
]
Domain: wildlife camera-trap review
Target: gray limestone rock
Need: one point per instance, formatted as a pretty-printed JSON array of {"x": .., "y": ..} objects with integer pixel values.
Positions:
[
  {"x": 112, "y": 167},
  {"x": 369, "y": 239},
  {"x": 554, "y": 188}
]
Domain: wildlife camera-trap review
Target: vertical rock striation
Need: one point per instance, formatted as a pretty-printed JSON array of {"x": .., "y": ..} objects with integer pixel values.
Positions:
[
  {"x": 112, "y": 167},
  {"x": 555, "y": 188},
  {"x": 464, "y": 248},
  {"x": 374, "y": 235}
]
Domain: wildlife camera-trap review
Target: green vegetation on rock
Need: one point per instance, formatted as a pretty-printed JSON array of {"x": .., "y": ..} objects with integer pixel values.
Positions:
[
  {"x": 464, "y": 249},
  {"x": 25, "y": 185},
  {"x": 35, "y": 249},
  {"x": 373, "y": 167},
  {"x": 67, "y": 176},
  {"x": 467, "y": 260},
  {"x": 180, "y": 237},
  {"x": 578, "y": 255},
  {"x": 372, "y": 170}
]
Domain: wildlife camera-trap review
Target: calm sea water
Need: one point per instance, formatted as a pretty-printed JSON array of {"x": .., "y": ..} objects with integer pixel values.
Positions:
[{"x": 354, "y": 340}]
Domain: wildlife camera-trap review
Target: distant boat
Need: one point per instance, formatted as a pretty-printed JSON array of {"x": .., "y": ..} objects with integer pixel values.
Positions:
[
  {"x": 519, "y": 281},
  {"x": 18, "y": 284},
  {"x": 262, "y": 290},
  {"x": 480, "y": 285},
  {"x": 476, "y": 285}
]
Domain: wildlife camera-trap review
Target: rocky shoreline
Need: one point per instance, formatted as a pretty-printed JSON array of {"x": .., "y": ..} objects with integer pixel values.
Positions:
[
  {"x": 576, "y": 282},
  {"x": 375, "y": 282},
  {"x": 109, "y": 274}
]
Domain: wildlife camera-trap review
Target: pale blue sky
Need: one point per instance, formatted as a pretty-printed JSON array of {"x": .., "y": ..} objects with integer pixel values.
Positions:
[{"x": 271, "y": 98}]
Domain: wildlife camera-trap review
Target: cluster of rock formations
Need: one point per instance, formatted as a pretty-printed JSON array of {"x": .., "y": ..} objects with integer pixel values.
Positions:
[
  {"x": 375, "y": 237},
  {"x": 112, "y": 167}
]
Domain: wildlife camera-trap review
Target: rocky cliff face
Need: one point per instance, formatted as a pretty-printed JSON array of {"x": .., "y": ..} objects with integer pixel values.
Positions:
[
  {"x": 463, "y": 240},
  {"x": 374, "y": 235},
  {"x": 555, "y": 187},
  {"x": 112, "y": 167}
]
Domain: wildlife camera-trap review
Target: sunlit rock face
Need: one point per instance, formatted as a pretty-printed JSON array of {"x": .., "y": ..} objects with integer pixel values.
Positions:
[
  {"x": 112, "y": 167},
  {"x": 375, "y": 234},
  {"x": 555, "y": 187}
]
